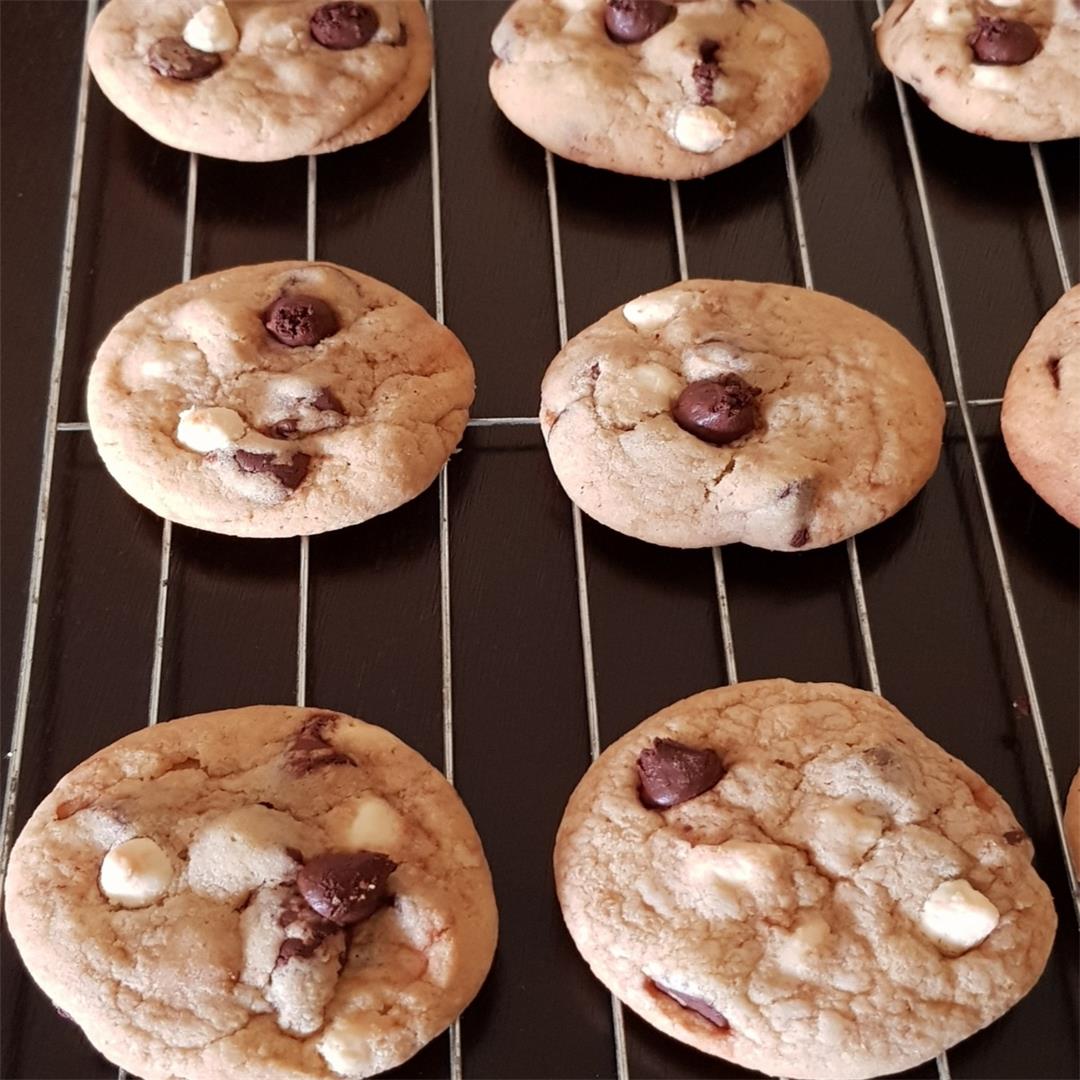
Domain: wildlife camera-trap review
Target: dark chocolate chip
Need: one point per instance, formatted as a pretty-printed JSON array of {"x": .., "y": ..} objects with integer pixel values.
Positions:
[
  {"x": 310, "y": 749},
  {"x": 631, "y": 21},
  {"x": 718, "y": 410},
  {"x": 293, "y": 947},
  {"x": 1014, "y": 837},
  {"x": 1053, "y": 365},
  {"x": 1003, "y": 41},
  {"x": 174, "y": 58},
  {"x": 706, "y": 71},
  {"x": 881, "y": 756},
  {"x": 289, "y": 473},
  {"x": 345, "y": 888},
  {"x": 343, "y": 26},
  {"x": 702, "y": 1008},
  {"x": 285, "y": 429},
  {"x": 801, "y": 538},
  {"x": 295, "y": 854},
  {"x": 671, "y": 773},
  {"x": 298, "y": 320},
  {"x": 328, "y": 401}
]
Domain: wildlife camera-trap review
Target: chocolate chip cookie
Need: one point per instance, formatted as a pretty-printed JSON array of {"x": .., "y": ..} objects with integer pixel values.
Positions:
[
  {"x": 277, "y": 400},
  {"x": 670, "y": 90},
  {"x": 1006, "y": 69},
  {"x": 711, "y": 412},
  {"x": 1072, "y": 821},
  {"x": 1040, "y": 416},
  {"x": 267, "y": 892},
  {"x": 792, "y": 877},
  {"x": 262, "y": 81}
]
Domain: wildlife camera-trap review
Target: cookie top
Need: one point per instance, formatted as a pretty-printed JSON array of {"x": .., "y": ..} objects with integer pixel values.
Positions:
[
  {"x": 655, "y": 89},
  {"x": 1040, "y": 416},
  {"x": 271, "y": 891},
  {"x": 792, "y": 877},
  {"x": 711, "y": 412},
  {"x": 262, "y": 81},
  {"x": 1005, "y": 69},
  {"x": 277, "y": 400},
  {"x": 1072, "y": 821}
]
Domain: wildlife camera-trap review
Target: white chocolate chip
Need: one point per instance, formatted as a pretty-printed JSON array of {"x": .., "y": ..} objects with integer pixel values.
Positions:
[
  {"x": 351, "y": 1044},
  {"x": 770, "y": 34},
  {"x": 855, "y": 833},
  {"x": 702, "y": 128},
  {"x": 808, "y": 937},
  {"x": 211, "y": 29},
  {"x": 626, "y": 396},
  {"x": 1006, "y": 3},
  {"x": 649, "y": 312},
  {"x": 367, "y": 823},
  {"x": 206, "y": 429},
  {"x": 135, "y": 873},
  {"x": 389, "y": 31},
  {"x": 995, "y": 77},
  {"x": 657, "y": 386},
  {"x": 948, "y": 15},
  {"x": 956, "y": 917}
]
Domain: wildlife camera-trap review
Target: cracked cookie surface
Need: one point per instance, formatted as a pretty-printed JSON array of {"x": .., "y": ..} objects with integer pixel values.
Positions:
[
  {"x": 1006, "y": 69},
  {"x": 844, "y": 417},
  {"x": 278, "y": 400},
  {"x": 710, "y": 83},
  {"x": 843, "y": 898},
  {"x": 211, "y": 897},
  {"x": 1040, "y": 414},
  {"x": 275, "y": 91}
]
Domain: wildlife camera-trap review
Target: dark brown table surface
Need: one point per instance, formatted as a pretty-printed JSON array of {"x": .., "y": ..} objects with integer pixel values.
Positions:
[{"x": 945, "y": 647}]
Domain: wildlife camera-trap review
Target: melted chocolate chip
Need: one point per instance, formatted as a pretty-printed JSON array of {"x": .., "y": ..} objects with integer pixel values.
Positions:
[
  {"x": 1014, "y": 837},
  {"x": 310, "y": 750},
  {"x": 174, "y": 58},
  {"x": 343, "y": 26},
  {"x": 1003, "y": 41},
  {"x": 289, "y": 473},
  {"x": 345, "y": 888},
  {"x": 631, "y": 21},
  {"x": 671, "y": 773},
  {"x": 718, "y": 410},
  {"x": 1053, "y": 365},
  {"x": 328, "y": 401},
  {"x": 702, "y": 1008},
  {"x": 300, "y": 320},
  {"x": 706, "y": 71},
  {"x": 801, "y": 538}
]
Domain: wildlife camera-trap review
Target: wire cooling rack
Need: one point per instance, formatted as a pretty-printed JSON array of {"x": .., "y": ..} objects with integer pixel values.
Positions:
[{"x": 616, "y": 1045}]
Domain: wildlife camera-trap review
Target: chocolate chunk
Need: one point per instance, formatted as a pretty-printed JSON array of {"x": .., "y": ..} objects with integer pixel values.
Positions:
[
  {"x": 631, "y": 21},
  {"x": 300, "y": 320},
  {"x": 310, "y": 750},
  {"x": 295, "y": 854},
  {"x": 174, "y": 58},
  {"x": 1014, "y": 837},
  {"x": 672, "y": 773},
  {"x": 702, "y": 1008},
  {"x": 706, "y": 71},
  {"x": 328, "y": 401},
  {"x": 1003, "y": 41},
  {"x": 718, "y": 410},
  {"x": 290, "y": 473},
  {"x": 1053, "y": 365},
  {"x": 801, "y": 538},
  {"x": 345, "y": 888},
  {"x": 343, "y": 26}
]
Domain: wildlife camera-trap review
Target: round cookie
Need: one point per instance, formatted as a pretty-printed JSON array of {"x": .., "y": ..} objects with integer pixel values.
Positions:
[
  {"x": 278, "y": 400},
  {"x": 655, "y": 89},
  {"x": 1005, "y": 69},
  {"x": 792, "y": 877},
  {"x": 265, "y": 80},
  {"x": 1040, "y": 416},
  {"x": 712, "y": 412},
  {"x": 1072, "y": 821},
  {"x": 266, "y": 892}
]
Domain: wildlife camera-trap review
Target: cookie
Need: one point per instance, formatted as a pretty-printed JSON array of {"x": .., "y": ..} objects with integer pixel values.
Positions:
[
  {"x": 1040, "y": 415},
  {"x": 278, "y": 400},
  {"x": 1005, "y": 69},
  {"x": 712, "y": 412},
  {"x": 267, "y": 892},
  {"x": 1072, "y": 821},
  {"x": 262, "y": 81},
  {"x": 669, "y": 90},
  {"x": 792, "y": 877}
]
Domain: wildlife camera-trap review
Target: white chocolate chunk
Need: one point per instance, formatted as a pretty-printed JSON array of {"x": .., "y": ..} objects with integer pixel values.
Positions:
[
  {"x": 852, "y": 834},
  {"x": 367, "y": 823},
  {"x": 389, "y": 31},
  {"x": 702, "y": 128},
  {"x": 948, "y": 15},
  {"x": 135, "y": 873},
  {"x": 956, "y": 917},
  {"x": 808, "y": 936},
  {"x": 211, "y": 29},
  {"x": 739, "y": 862},
  {"x": 352, "y": 1044},
  {"x": 627, "y": 396},
  {"x": 995, "y": 77},
  {"x": 650, "y": 312},
  {"x": 207, "y": 429},
  {"x": 770, "y": 34}
]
